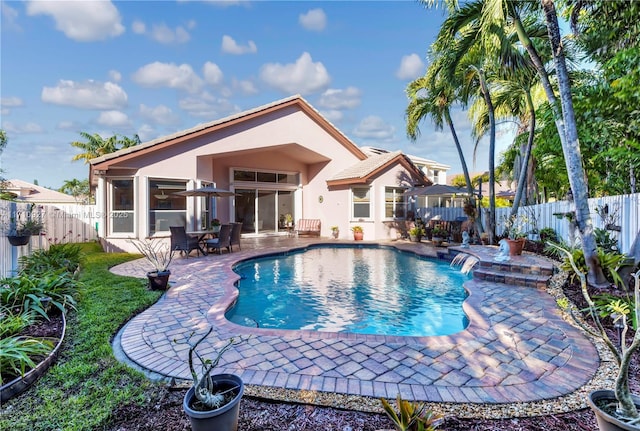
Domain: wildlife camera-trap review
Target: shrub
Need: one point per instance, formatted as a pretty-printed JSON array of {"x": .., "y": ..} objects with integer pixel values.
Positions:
[
  {"x": 16, "y": 354},
  {"x": 548, "y": 234},
  {"x": 610, "y": 261},
  {"x": 59, "y": 256}
]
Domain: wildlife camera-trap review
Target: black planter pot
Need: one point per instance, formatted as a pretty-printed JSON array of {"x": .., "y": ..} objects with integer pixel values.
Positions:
[
  {"x": 158, "y": 280},
  {"x": 223, "y": 419},
  {"x": 605, "y": 421},
  {"x": 18, "y": 240}
]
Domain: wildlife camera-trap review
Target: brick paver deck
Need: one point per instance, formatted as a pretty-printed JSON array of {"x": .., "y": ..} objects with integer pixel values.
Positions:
[{"x": 516, "y": 347}]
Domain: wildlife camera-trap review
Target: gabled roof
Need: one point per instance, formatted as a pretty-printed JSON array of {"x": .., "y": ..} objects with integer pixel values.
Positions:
[
  {"x": 27, "y": 192},
  {"x": 103, "y": 162},
  {"x": 365, "y": 170}
]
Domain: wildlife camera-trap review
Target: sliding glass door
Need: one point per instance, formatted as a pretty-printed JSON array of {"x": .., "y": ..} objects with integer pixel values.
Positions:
[{"x": 263, "y": 211}]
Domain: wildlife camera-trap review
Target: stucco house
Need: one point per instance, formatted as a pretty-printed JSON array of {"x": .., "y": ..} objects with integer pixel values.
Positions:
[{"x": 281, "y": 158}]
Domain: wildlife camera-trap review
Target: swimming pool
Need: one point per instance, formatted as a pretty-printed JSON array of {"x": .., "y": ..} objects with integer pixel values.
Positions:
[{"x": 359, "y": 289}]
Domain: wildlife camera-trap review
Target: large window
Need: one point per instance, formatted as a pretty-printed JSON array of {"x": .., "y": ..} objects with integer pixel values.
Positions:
[
  {"x": 361, "y": 203},
  {"x": 394, "y": 203},
  {"x": 122, "y": 211},
  {"x": 165, "y": 208}
]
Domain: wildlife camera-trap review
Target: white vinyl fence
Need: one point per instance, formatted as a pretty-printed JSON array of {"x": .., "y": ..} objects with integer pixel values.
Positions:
[
  {"x": 620, "y": 215},
  {"x": 62, "y": 224}
]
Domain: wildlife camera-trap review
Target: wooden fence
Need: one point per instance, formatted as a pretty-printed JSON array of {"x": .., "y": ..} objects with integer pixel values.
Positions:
[
  {"x": 62, "y": 224},
  {"x": 620, "y": 215}
]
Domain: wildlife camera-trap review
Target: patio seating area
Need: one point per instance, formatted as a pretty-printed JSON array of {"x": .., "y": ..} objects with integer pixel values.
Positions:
[{"x": 516, "y": 349}]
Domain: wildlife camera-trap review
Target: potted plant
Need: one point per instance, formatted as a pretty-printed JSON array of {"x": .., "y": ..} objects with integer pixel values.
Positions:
[
  {"x": 625, "y": 415},
  {"x": 415, "y": 234},
  {"x": 21, "y": 232},
  {"x": 213, "y": 402},
  {"x": 288, "y": 219},
  {"x": 439, "y": 235},
  {"x": 159, "y": 254},
  {"x": 358, "y": 233},
  {"x": 514, "y": 230},
  {"x": 215, "y": 225},
  {"x": 335, "y": 231}
]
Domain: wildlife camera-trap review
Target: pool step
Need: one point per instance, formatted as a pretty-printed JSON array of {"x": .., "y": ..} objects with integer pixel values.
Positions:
[{"x": 527, "y": 270}]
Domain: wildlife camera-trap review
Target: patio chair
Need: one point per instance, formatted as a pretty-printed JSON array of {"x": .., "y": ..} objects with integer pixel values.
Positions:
[
  {"x": 222, "y": 241},
  {"x": 236, "y": 229},
  {"x": 182, "y": 242}
]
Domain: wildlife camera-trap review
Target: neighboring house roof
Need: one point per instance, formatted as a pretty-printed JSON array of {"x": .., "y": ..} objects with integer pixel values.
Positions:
[
  {"x": 436, "y": 190},
  {"x": 415, "y": 159},
  {"x": 27, "y": 192},
  {"x": 363, "y": 171},
  {"x": 103, "y": 162}
]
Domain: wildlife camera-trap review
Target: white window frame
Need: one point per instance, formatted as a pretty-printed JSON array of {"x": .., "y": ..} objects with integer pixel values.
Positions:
[
  {"x": 111, "y": 216},
  {"x": 396, "y": 191},
  {"x": 354, "y": 203}
]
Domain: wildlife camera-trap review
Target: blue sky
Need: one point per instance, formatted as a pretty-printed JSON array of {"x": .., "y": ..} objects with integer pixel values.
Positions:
[{"x": 154, "y": 68}]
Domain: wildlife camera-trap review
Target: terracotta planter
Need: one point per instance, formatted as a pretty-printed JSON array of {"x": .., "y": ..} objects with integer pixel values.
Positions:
[
  {"x": 515, "y": 246},
  {"x": 224, "y": 418},
  {"x": 358, "y": 236},
  {"x": 158, "y": 280},
  {"x": 605, "y": 421}
]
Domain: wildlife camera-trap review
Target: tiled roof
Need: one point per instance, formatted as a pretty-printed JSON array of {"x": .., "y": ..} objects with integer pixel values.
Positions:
[
  {"x": 365, "y": 167},
  {"x": 27, "y": 192}
]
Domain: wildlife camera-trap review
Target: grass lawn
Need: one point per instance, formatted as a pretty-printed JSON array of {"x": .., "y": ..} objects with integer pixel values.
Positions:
[{"x": 82, "y": 389}]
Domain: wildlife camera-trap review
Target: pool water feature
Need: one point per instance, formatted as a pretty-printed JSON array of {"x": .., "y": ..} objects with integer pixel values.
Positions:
[{"x": 358, "y": 289}]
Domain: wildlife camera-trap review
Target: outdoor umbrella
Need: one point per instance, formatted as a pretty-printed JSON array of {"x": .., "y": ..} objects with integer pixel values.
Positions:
[{"x": 206, "y": 191}]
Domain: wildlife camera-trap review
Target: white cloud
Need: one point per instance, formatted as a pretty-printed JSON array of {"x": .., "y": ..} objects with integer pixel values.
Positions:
[
  {"x": 86, "y": 95},
  {"x": 375, "y": 128},
  {"x": 147, "y": 132},
  {"x": 333, "y": 98},
  {"x": 68, "y": 125},
  {"x": 244, "y": 86},
  {"x": 138, "y": 27},
  {"x": 160, "y": 114},
  {"x": 115, "y": 76},
  {"x": 304, "y": 76},
  {"x": 165, "y": 35},
  {"x": 333, "y": 115},
  {"x": 212, "y": 73},
  {"x": 230, "y": 46},
  {"x": 21, "y": 129},
  {"x": 83, "y": 21},
  {"x": 116, "y": 119},
  {"x": 411, "y": 67},
  {"x": 11, "y": 102},
  {"x": 315, "y": 20},
  {"x": 168, "y": 75},
  {"x": 208, "y": 106},
  {"x": 9, "y": 17}
]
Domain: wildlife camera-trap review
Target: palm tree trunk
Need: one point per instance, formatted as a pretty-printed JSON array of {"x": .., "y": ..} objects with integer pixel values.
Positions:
[
  {"x": 491, "y": 223},
  {"x": 465, "y": 170},
  {"x": 571, "y": 149},
  {"x": 527, "y": 155}
]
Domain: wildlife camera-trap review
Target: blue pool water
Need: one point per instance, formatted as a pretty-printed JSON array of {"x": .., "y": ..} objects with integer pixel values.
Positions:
[{"x": 366, "y": 290}]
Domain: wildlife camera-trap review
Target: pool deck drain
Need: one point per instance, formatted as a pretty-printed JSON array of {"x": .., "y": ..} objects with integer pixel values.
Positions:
[{"x": 517, "y": 347}]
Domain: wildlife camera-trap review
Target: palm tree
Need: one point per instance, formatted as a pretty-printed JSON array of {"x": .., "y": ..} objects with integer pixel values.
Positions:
[
  {"x": 96, "y": 145},
  {"x": 495, "y": 13},
  {"x": 571, "y": 149},
  {"x": 470, "y": 60},
  {"x": 76, "y": 188},
  {"x": 432, "y": 96}
]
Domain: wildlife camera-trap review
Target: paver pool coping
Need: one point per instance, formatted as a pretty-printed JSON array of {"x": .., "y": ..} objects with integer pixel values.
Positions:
[{"x": 517, "y": 348}]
